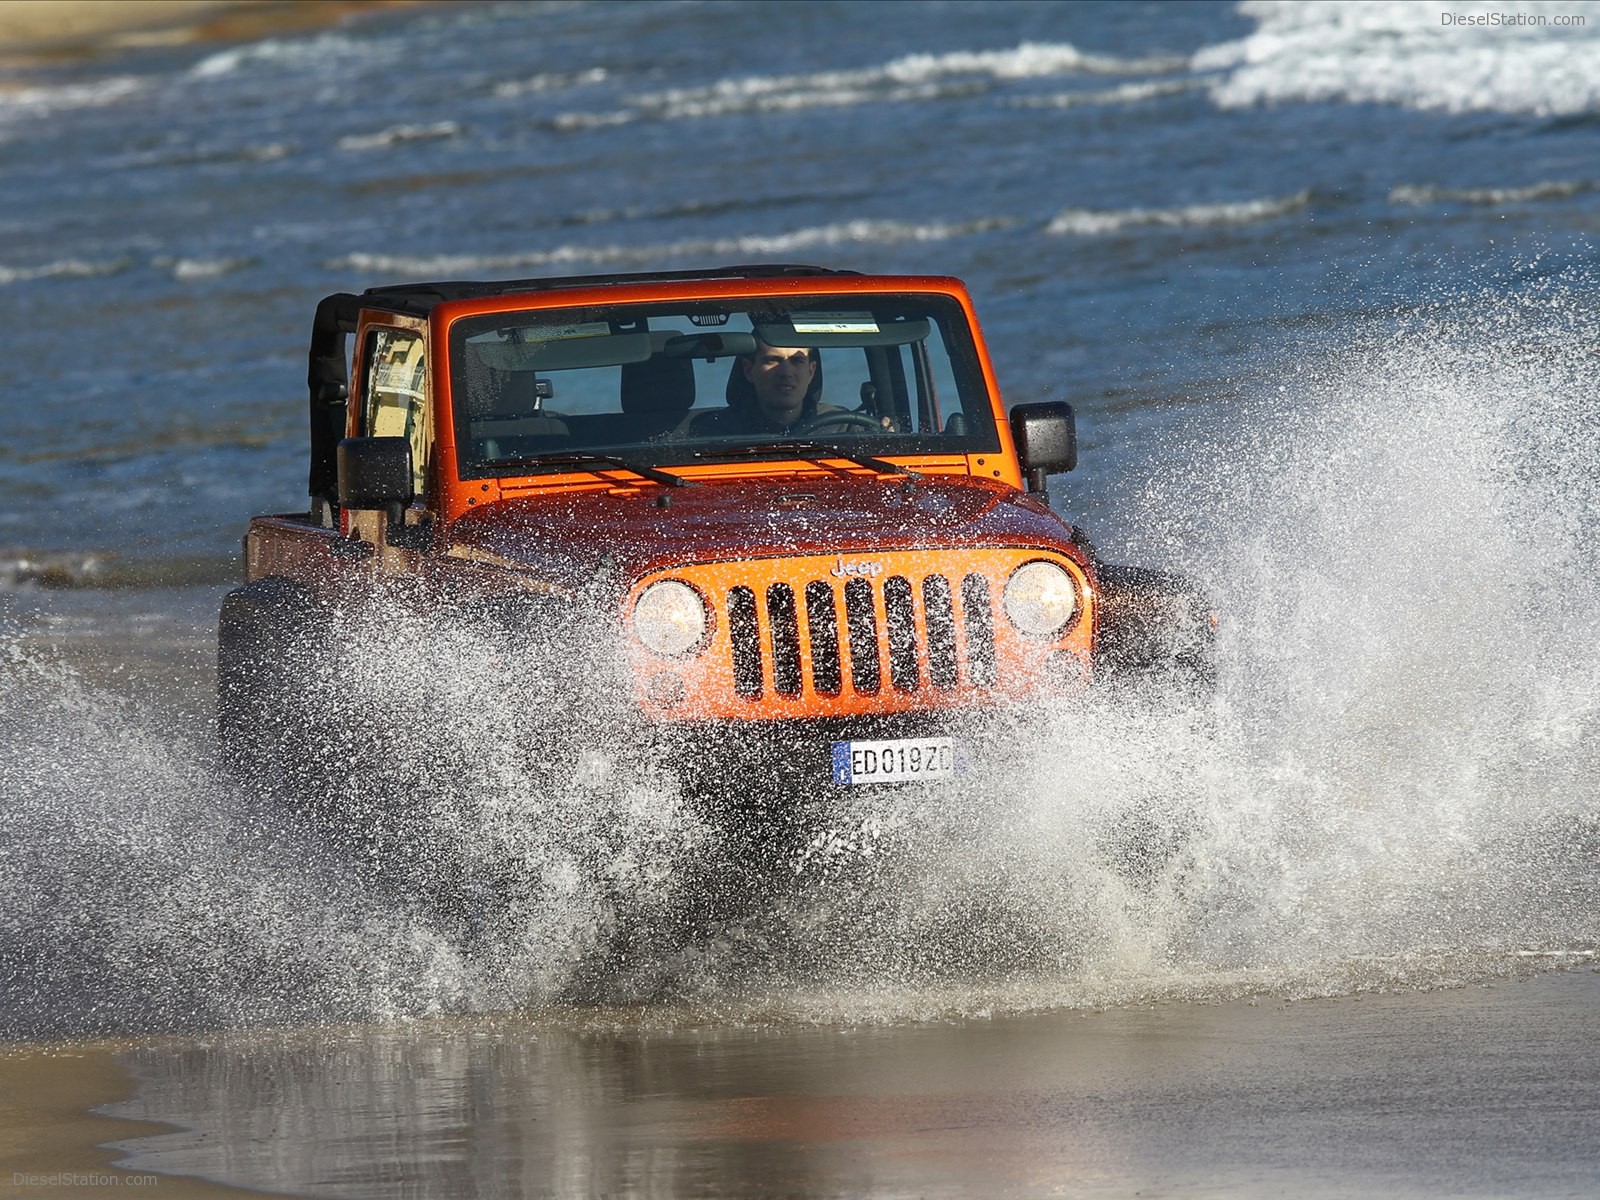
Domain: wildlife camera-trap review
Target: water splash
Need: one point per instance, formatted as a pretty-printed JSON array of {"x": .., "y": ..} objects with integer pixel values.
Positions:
[{"x": 1392, "y": 787}]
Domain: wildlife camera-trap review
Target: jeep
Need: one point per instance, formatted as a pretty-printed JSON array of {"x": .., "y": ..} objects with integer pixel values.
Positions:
[{"x": 779, "y": 515}]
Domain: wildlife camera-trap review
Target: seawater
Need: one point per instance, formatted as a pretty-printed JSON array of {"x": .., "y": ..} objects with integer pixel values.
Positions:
[{"x": 1320, "y": 305}]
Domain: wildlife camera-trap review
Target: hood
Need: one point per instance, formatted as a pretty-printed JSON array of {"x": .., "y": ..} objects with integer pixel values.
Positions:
[{"x": 565, "y": 536}]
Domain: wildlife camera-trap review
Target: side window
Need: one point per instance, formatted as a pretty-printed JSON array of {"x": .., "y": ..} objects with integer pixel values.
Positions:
[{"x": 392, "y": 397}]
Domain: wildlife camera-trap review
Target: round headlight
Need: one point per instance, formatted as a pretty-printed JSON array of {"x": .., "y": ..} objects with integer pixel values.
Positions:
[
  {"x": 1041, "y": 599},
  {"x": 670, "y": 618}
]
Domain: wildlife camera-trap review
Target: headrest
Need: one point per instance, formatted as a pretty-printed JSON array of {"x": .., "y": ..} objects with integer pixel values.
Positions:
[
  {"x": 663, "y": 386},
  {"x": 492, "y": 393}
]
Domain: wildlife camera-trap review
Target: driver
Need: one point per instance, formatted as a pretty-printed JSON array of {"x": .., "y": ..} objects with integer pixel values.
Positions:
[
  {"x": 781, "y": 379},
  {"x": 770, "y": 391}
]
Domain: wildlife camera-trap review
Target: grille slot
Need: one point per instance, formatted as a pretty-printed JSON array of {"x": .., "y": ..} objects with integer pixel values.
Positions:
[
  {"x": 822, "y": 625},
  {"x": 979, "y": 621},
  {"x": 746, "y": 638},
  {"x": 902, "y": 620},
  {"x": 866, "y": 672},
  {"x": 941, "y": 622},
  {"x": 784, "y": 622}
]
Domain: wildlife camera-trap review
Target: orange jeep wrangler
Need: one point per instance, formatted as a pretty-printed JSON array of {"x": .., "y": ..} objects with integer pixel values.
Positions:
[{"x": 781, "y": 514}]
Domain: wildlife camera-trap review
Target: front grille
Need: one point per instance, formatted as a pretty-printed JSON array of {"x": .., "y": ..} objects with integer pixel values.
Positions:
[{"x": 937, "y": 647}]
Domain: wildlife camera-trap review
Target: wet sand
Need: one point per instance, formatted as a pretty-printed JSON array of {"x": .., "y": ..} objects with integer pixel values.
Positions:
[
  {"x": 52, "y": 1143},
  {"x": 1476, "y": 1091},
  {"x": 38, "y": 23}
]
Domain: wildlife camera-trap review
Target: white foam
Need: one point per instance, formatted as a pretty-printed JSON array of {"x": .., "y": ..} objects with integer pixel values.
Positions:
[
  {"x": 65, "y": 268},
  {"x": 1123, "y": 93},
  {"x": 399, "y": 135},
  {"x": 292, "y": 53},
  {"x": 576, "y": 121},
  {"x": 42, "y": 101},
  {"x": 190, "y": 270},
  {"x": 1421, "y": 195},
  {"x": 912, "y": 78},
  {"x": 1089, "y": 222},
  {"x": 552, "y": 81},
  {"x": 863, "y": 231},
  {"x": 1403, "y": 53}
]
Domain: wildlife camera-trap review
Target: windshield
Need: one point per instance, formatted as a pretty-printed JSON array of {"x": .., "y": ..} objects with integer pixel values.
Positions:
[{"x": 678, "y": 383}]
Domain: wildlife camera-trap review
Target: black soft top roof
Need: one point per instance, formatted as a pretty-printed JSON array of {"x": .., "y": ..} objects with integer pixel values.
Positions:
[{"x": 420, "y": 298}]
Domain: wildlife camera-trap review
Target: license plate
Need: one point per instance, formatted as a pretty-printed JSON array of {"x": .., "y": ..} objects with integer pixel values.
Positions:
[{"x": 898, "y": 760}]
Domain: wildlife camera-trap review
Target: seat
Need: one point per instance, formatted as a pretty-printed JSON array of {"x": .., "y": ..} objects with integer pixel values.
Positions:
[
  {"x": 508, "y": 416},
  {"x": 656, "y": 394}
]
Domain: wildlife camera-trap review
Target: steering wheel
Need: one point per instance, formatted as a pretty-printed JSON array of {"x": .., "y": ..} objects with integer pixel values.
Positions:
[{"x": 844, "y": 418}]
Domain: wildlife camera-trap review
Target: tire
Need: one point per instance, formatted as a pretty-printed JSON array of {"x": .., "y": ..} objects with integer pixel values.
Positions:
[
  {"x": 1155, "y": 627},
  {"x": 268, "y": 635}
]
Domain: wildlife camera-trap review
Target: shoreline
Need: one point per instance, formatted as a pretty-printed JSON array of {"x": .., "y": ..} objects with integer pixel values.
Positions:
[
  {"x": 34, "y": 32},
  {"x": 44, "y": 25},
  {"x": 54, "y": 1140}
]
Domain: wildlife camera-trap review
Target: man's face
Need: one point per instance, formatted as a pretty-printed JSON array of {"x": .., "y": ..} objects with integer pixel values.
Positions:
[{"x": 781, "y": 377}]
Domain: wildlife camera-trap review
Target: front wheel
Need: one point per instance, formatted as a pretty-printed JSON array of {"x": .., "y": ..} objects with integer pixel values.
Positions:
[
  {"x": 270, "y": 638},
  {"x": 1156, "y": 627}
]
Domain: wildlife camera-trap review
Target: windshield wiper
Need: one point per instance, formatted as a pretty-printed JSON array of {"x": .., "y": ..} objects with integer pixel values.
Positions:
[
  {"x": 812, "y": 452},
  {"x": 583, "y": 458}
]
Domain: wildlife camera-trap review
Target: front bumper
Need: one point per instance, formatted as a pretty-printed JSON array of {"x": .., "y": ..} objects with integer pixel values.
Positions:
[{"x": 758, "y": 765}]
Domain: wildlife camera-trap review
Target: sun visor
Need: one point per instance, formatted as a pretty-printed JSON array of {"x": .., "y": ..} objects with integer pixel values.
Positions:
[{"x": 564, "y": 348}]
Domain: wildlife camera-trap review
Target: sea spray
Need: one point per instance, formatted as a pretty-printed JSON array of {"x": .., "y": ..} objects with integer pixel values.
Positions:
[{"x": 1395, "y": 528}]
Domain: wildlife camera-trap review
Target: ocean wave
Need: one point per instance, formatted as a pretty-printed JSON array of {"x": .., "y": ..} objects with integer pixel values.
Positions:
[
  {"x": 1090, "y": 222},
  {"x": 42, "y": 101},
  {"x": 97, "y": 570},
  {"x": 65, "y": 268},
  {"x": 291, "y": 52},
  {"x": 1422, "y": 195},
  {"x": 400, "y": 134},
  {"x": 184, "y": 270},
  {"x": 914, "y": 77},
  {"x": 1402, "y": 53},
  {"x": 203, "y": 155},
  {"x": 190, "y": 270},
  {"x": 876, "y": 232},
  {"x": 23, "y": 571},
  {"x": 570, "y": 122}
]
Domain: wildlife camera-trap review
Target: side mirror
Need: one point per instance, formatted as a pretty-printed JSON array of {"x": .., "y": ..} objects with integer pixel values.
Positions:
[
  {"x": 1047, "y": 440},
  {"x": 375, "y": 473}
]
